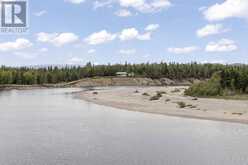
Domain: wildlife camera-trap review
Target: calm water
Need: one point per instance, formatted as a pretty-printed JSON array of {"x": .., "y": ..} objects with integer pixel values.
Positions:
[{"x": 50, "y": 127}]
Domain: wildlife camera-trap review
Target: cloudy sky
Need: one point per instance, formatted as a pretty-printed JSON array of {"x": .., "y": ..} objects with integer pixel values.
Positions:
[{"x": 115, "y": 31}]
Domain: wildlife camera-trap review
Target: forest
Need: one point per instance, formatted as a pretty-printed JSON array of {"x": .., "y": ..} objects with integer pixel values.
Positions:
[{"x": 231, "y": 76}]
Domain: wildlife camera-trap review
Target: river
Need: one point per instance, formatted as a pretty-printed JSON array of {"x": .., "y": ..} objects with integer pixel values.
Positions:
[{"x": 52, "y": 127}]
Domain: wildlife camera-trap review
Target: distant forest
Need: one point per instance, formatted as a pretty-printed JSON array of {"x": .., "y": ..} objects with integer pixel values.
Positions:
[{"x": 235, "y": 76}]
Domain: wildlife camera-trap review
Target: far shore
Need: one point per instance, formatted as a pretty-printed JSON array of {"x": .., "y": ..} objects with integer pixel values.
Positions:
[
  {"x": 138, "y": 99},
  {"x": 25, "y": 87}
]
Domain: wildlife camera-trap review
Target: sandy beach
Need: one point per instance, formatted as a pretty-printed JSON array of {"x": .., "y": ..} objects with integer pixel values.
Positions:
[{"x": 139, "y": 99}]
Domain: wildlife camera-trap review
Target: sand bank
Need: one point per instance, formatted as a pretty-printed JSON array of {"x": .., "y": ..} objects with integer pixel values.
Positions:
[{"x": 138, "y": 99}]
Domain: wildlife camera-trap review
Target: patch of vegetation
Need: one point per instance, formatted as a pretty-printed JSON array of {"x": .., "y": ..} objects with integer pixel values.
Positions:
[
  {"x": 210, "y": 88},
  {"x": 227, "y": 84},
  {"x": 95, "y": 93},
  {"x": 193, "y": 106},
  {"x": 156, "y": 97},
  {"x": 181, "y": 104},
  {"x": 167, "y": 100},
  {"x": 145, "y": 94}
]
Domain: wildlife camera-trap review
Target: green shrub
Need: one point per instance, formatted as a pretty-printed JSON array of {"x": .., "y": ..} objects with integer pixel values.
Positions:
[
  {"x": 181, "y": 104},
  {"x": 156, "y": 97},
  {"x": 145, "y": 94},
  {"x": 210, "y": 88}
]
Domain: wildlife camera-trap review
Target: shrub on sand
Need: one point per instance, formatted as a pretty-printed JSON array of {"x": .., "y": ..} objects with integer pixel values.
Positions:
[{"x": 181, "y": 104}]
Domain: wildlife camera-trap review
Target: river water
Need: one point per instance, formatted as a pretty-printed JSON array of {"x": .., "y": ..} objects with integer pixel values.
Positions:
[{"x": 51, "y": 127}]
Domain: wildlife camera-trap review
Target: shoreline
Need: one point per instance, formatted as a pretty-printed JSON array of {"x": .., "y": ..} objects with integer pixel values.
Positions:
[
  {"x": 125, "y": 98},
  {"x": 131, "y": 98}
]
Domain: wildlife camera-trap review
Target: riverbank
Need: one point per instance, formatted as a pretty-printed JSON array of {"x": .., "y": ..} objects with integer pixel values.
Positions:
[
  {"x": 171, "y": 102},
  {"x": 106, "y": 81}
]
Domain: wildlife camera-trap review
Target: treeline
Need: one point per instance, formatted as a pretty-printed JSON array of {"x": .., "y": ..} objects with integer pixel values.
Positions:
[
  {"x": 47, "y": 75},
  {"x": 227, "y": 82}
]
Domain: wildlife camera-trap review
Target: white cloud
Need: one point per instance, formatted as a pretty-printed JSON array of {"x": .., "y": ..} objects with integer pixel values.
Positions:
[
  {"x": 125, "y": 35},
  {"x": 100, "y": 38},
  {"x": 227, "y": 9},
  {"x": 75, "y": 60},
  {"x": 224, "y": 45},
  {"x": 132, "y": 33},
  {"x": 211, "y": 29},
  {"x": 57, "y": 39},
  {"x": 184, "y": 50},
  {"x": 65, "y": 38},
  {"x": 127, "y": 51},
  {"x": 152, "y": 27},
  {"x": 146, "y": 6},
  {"x": 19, "y": 44},
  {"x": 123, "y": 13},
  {"x": 145, "y": 37},
  {"x": 143, "y": 6},
  {"x": 129, "y": 34},
  {"x": 91, "y": 51},
  {"x": 75, "y": 1},
  {"x": 102, "y": 3},
  {"x": 40, "y": 13}
]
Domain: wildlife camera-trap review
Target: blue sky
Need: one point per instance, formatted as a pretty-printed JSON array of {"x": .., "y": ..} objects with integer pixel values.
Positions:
[{"x": 115, "y": 31}]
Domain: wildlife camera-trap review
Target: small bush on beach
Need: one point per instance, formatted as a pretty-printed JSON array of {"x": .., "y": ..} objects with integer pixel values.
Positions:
[
  {"x": 145, "y": 94},
  {"x": 181, "y": 104},
  {"x": 153, "y": 98},
  {"x": 156, "y": 97},
  {"x": 136, "y": 91},
  {"x": 95, "y": 93}
]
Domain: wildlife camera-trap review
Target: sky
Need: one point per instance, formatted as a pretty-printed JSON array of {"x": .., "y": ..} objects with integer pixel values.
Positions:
[{"x": 117, "y": 31}]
